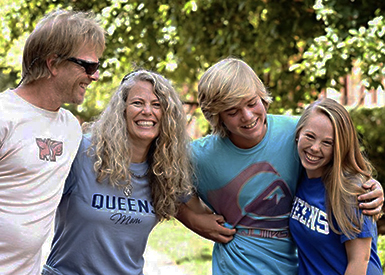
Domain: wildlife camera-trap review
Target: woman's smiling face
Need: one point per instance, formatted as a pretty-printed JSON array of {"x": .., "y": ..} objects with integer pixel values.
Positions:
[{"x": 143, "y": 113}]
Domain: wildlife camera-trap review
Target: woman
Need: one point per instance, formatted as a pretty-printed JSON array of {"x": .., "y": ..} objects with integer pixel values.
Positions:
[
  {"x": 332, "y": 234},
  {"x": 130, "y": 172}
]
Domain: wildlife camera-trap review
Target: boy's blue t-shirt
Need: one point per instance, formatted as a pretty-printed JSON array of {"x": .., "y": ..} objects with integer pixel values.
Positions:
[{"x": 253, "y": 189}]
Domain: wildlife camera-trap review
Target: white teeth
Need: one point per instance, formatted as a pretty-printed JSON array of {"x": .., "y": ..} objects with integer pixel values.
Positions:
[
  {"x": 312, "y": 157},
  {"x": 250, "y": 125},
  {"x": 145, "y": 123}
]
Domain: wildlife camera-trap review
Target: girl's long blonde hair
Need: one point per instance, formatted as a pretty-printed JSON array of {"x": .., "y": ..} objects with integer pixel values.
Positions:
[
  {"x": 344, "y": 175},
  {"x": 170, "y": 173}
]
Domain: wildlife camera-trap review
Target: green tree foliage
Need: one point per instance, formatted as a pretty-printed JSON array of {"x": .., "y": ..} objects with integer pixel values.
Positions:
[
  {"x": 370, "y": 125},
  {"x": 354, "y": 35},
  {"x": 298, "y": 47}
]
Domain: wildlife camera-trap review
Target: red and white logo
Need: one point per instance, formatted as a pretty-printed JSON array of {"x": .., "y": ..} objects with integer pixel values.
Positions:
[{"x": 49, "y": 149}]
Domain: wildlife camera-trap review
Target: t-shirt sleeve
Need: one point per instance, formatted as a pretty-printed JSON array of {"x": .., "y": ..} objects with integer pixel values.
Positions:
[
  {"x": 77, "y": 166},
  {"x": 369, "y": 230},
  {"x": 71, "y": 179},
  {"x": 4, "y": 130}
]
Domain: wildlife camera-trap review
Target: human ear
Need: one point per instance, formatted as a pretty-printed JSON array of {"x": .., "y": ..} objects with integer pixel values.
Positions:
[{"x": 51, "y": 63}]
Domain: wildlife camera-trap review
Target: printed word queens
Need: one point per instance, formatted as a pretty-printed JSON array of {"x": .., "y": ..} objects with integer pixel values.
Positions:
[
  {"x": 311, "y": 216},
  {"x": 100, "y": 201}
]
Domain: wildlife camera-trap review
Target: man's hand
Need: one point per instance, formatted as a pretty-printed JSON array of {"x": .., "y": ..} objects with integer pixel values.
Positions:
[
  {"x": 209, "y": 226},
  {"x": 372, "y": 201}
]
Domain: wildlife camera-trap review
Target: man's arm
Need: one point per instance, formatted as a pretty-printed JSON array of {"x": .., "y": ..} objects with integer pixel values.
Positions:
[{"x": 196, "y": 216}]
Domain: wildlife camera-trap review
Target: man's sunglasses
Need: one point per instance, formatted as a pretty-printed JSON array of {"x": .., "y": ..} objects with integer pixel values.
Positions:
[{"x": 90, "y": 67}]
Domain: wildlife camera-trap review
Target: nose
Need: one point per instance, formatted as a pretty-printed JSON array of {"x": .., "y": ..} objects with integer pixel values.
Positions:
[
  {"x": 315, "y": 146},
  {"x": 247, "y": 114},
  {"x": 147, "y": 109},
  {"x": 95, "y": 76}
]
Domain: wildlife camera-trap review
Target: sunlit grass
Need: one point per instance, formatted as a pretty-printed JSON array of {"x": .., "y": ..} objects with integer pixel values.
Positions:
[
  {"x": 381, "y": 250},
  {"x": 187, "y": 249},
  {"x": 192, "y": 252}
]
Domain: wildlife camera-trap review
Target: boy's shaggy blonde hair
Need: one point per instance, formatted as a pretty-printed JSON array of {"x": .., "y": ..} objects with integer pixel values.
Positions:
[{"x": 223, "y": 86}]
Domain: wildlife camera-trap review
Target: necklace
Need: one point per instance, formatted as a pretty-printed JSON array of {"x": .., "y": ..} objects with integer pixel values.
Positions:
[
  {"x": 127, "y": 190},
  {"x": 139, "y": 176}
]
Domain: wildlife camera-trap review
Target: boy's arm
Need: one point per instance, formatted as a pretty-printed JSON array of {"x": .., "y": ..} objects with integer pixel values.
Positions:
[{"x": 372, "y": 202}]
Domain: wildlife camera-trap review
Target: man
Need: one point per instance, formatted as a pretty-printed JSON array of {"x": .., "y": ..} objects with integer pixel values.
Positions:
[{"x": 38, "y": 138}]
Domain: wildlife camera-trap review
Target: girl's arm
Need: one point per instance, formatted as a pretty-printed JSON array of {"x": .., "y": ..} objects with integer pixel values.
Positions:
[{"x": 358, "y": 252}]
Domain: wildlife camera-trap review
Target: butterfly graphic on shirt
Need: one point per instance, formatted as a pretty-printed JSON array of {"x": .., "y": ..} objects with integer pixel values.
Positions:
[{"x": 49, "y": 149}]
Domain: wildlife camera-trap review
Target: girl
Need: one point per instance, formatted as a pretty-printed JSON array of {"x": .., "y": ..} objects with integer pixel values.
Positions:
[{"x": 332, "y": 234}]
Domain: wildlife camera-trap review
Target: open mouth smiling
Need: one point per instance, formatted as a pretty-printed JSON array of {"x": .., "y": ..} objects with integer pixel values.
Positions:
[
  {"x": 145, "y": 123},
  {"x": 250, "y": 125},
  {"x": 311, "y": 158}
]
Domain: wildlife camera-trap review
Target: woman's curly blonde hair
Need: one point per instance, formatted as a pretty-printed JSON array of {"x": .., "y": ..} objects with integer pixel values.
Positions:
[{"x": 170, "y": 173}]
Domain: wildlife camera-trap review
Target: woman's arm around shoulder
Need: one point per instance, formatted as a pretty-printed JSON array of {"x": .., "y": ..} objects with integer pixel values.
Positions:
[{"x": 196, "y": 216}]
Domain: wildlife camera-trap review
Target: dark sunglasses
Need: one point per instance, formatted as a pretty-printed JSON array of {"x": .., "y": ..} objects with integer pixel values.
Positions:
[{"x": 90, "y": 67}]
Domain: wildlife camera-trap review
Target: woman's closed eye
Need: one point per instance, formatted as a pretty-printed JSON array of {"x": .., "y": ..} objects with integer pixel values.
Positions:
[
  {"x": 327, "y": 143},
  {"x": 137, "y": 103},
  {"x": 309, "y": 136}
]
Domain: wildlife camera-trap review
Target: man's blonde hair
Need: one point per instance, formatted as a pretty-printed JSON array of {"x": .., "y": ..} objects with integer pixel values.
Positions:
[{"x": 63, "y": 34}]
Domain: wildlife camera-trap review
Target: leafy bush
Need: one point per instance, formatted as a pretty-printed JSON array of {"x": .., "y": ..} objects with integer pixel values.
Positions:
[
  {"x": 370, "y": 125},
  {"x": 381, "y": 249}
]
